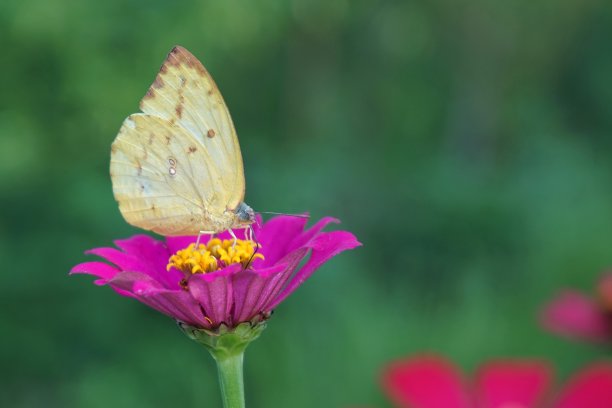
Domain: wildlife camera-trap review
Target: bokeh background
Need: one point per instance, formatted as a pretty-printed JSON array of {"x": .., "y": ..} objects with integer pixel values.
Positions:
[{"x": 467, "y": 145}]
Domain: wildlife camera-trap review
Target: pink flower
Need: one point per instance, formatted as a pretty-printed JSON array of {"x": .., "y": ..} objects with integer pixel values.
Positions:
[
  {"x": 575, "y": 315},
  {"x": 221, "y": 282},
  {"x": 432, "y": 382}
]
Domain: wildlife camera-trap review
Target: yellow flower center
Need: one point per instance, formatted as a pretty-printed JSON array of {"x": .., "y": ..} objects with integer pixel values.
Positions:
[{"x": 216, "y": 254}]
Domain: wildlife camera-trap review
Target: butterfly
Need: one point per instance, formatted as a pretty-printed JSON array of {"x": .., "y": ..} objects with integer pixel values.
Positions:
[{"x": 176, "y": 168}]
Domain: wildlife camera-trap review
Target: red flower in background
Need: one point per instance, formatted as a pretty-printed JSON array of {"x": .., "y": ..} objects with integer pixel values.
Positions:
[
  {"x": 433, "y": 382},
  {"x": 575, "y": 315}
]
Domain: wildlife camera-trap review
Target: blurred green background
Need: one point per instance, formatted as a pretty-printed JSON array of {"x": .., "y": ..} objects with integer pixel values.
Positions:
[{"x": 467, "y": 145}]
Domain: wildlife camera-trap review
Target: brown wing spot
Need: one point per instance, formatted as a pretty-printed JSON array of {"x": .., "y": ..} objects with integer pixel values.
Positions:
[
  {"x": 179, "y": 106},
  {"x": 138, "y": 167},
  {"x": 150, "y": 94},
  {"x": 211, "y": 91},
  {"x": 172, "y": 60},
  {"x": 180, "y": 55},
  {"x": 211, "y": 133},
  {"x": 142, "y": 187},
  {"x": 168, "y": 139},
  {"x": 192, "y": 149},
  {"x": 113, "y": 148},
  {"x": 151, "y": 139},
  {"x": 158, "y": 83}
]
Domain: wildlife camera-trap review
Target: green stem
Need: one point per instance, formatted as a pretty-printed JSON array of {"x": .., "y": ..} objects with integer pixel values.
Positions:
[
  {"x": 227, "y": 345},
  {"x": 230, "y": 371}
]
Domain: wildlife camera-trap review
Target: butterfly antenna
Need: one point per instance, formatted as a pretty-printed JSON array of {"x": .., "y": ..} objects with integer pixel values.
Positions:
[{"x": 280, "y": 213}]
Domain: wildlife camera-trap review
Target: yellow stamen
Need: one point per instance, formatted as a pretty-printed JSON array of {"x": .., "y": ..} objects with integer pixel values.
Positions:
[{"x": 214, "y": 255}]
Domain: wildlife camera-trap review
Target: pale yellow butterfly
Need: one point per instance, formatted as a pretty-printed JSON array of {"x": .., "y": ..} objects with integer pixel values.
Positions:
[{"x": 176, "y": 168}]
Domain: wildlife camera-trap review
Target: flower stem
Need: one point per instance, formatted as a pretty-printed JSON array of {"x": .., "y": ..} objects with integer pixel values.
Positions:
[
  {"x": 227, "y": 345},
  {"x": 230, "y": 372}
]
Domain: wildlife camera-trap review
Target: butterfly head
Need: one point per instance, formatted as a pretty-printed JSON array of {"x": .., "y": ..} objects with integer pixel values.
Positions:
[{"x": 245, "y": 215}]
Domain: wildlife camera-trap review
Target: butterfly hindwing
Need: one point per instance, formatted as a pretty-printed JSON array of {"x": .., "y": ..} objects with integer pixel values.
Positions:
[{"x": 154, "y": 175}]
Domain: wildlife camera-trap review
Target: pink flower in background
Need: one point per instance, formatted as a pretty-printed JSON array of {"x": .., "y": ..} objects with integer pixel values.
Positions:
[
  {"x": 575, "y": 315},
  {"x": 220, "y": 281},
  {"x": 432, "y": 382}
]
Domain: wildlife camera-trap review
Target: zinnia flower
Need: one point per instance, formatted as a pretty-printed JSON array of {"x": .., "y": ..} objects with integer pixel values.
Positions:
[
  {"x": 220, "y": 281},
  {"x": 575, "y": 315},
  {"x": 432, "y": 382}
]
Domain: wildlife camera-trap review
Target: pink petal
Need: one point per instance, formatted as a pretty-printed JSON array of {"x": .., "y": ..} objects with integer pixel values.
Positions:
[
  {"x": 590, "y": 388},
  {"x": 152, "y": 258},
  {"x": 135, "y": 282},
  {"x": 143, "y": 245},
  {"x": 253, "y": 290},
  {"x": 512, "y": 384},
  {"x": 291, "y": 261},
  {"x": 177, "y": 304},
  {"x": 133, "y": 263},
  {"x": 324, "y": 246},
  {"x": 125, "y": 262},
  {"x": 102, "y": 270},
  {"x": 574, "y": 315},
  {"x": 214, "y": 293},
  {"x": 424, "y": 382},
  {"x": 277, "y": 234},
  {"x": 177, "y": 243},
  {"x": 311, "y": 232}
]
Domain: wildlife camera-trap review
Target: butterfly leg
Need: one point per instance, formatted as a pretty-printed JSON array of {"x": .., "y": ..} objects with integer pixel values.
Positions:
[
  {"x": 197, "y": 243},
  {"x": 231, "y": 232},
  {"x": 253, "y": 238}
]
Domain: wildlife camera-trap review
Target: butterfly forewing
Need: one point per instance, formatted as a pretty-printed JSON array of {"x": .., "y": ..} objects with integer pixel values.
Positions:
[
  {"x": 177, "y": 168},
  {"x": 185, "y": 94}
]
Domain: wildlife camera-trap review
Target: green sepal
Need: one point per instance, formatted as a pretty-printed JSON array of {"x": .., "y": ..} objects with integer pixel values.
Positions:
[
  {"x": 225, "y": 341},
  {"x": 226, "y": 345}
]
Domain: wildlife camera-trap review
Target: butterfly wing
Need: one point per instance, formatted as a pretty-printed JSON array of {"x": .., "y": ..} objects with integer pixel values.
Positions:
[
  {"x": 154, "y": 166},
  {"x": 185, "y": 94},
  {"x": 177, "y": 168}
]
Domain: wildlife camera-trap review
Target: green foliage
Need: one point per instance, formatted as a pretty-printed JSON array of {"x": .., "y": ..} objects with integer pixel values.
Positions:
[{"x": 466, "y": 145}]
